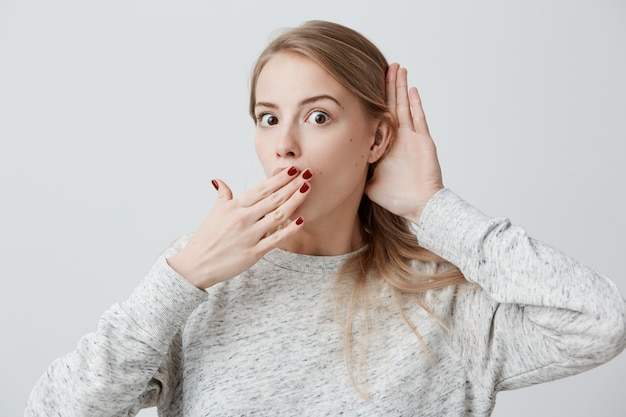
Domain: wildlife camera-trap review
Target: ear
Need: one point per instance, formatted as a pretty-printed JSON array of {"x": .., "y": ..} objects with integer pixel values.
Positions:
[{"x": 382, "y": 139}]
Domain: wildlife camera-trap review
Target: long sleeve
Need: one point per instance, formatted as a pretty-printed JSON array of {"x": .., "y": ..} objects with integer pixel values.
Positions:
[
  {"x": 539, "y": 316},
  {"x": 113, "y": 372}
]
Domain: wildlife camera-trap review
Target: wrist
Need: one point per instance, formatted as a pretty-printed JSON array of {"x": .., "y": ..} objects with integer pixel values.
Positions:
[
  {"x": 180, "y": 266},
  {"x": 415, "y": 216}
]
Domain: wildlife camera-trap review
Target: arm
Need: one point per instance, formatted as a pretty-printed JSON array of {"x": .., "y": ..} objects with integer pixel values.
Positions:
[
  {"x": 124, "y": 365},
  {"x": 113, "y": 372},
  {"x": 540, "y": 315},
  {"x": 545, "y": 316}
]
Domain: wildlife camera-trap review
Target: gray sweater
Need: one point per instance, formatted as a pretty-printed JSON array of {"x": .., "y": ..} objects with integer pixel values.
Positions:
[{"x": 267, "y": 343}]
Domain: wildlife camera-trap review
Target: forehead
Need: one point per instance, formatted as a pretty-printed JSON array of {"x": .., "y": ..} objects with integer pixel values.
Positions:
[{"x": 289, "y": 74}]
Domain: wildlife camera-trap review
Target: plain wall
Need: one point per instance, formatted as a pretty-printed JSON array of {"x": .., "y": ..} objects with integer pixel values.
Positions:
[{"x": 115, "y": 116}]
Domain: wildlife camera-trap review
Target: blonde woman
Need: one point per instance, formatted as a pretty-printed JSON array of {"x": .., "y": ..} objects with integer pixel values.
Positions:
[{"x": 350, "y": 281}]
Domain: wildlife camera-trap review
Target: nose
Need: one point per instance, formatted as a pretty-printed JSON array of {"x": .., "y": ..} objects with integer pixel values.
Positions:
[{"x": 288, "y": 143}]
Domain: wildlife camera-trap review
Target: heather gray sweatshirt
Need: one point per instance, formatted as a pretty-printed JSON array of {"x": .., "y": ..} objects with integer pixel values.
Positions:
[{"x": 267, "y": 343}]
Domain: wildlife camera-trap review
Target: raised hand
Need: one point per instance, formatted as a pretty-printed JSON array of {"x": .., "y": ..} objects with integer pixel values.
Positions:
[
  {"x": 409, "y": 175},
  {"x": 239, "y": 231}
]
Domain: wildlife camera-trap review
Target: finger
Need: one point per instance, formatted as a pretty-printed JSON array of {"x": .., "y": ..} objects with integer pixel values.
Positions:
[
  {"x": 419, "y": 119},
  {"x": 280, "y": 196},
  {"x": 278, "y": 216},
  {"x": 272, "y": 240},
  {"x": 403, "y": 109},
  {"x": 224, "y": 192},
  {"x": 267, "y": 187},
  {"x": 392, "y": 73}
]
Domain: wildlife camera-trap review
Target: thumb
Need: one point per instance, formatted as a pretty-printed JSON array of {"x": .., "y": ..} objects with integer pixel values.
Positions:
[{"x": 223, "y": 191}]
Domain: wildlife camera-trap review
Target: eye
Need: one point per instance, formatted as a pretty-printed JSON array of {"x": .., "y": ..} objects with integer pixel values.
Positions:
[
  {"x": 318, "y": 117},
  {"x": 267, "y": 119}
]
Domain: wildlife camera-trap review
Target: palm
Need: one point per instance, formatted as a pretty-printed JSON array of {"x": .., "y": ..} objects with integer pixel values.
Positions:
[{"x": 409, "y": 175}]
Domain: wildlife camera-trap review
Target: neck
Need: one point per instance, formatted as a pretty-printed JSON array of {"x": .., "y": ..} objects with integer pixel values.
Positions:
[{"x": 325, "y": 238}]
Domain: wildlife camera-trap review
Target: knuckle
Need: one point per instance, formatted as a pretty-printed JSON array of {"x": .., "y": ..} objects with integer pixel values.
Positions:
[
  {"x": 275, "y": 237},
  {"x": 275, "y": 198},
  {"x": 278, "y": 214},
  {"x": 264, "y": 190},
  {"x": 242, "y": 202},
  {"x": 239, "y": 218}
]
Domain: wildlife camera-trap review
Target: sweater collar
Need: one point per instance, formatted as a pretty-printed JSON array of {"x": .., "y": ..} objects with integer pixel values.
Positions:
[{"x": 306, "y": 263}]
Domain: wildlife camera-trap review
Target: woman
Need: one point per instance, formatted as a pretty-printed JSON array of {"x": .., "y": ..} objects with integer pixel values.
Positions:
[{"x": 319, "y": 299}]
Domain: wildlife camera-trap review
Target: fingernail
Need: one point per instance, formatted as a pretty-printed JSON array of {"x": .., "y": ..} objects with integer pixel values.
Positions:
[
  {"x": 215, "y": 184},
  {"x": 299, "y": 220},
  {"x": 292, "y": 171},
  {"x": 304, "y": 188},
  {"x": 307, "y": 174}
]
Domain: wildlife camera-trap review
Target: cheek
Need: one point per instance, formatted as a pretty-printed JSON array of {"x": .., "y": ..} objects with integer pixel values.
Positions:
[
  {"x": 359, "y": 152},
  {"x": 258, "y": 144},
  {"x": 347, "y": 163},
  {"x": 262, "y": 154}
]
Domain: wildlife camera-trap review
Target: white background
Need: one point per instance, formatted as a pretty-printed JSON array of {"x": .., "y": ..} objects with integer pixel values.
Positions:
[{"x": 115, "y": 116}]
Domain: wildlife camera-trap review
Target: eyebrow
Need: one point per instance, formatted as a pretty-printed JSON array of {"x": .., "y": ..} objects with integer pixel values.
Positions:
[{"x": 303, "y": 102}]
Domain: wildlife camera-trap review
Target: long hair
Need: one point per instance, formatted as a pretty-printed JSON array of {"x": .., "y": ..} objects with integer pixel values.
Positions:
[{"x": 392, "y": 249}]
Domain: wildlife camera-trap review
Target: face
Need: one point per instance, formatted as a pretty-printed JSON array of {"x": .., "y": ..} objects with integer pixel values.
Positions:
[{"x": 307, "y": 119}]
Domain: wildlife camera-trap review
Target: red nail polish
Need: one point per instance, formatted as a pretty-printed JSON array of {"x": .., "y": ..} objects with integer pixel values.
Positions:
[
  {"x": 299, "y": 220},
  {"x": 215, "y": 184},
  {"x": 304, "y": 188},
  {"x": 307, "y": 174},
  {"x": 292, "y": 171}
]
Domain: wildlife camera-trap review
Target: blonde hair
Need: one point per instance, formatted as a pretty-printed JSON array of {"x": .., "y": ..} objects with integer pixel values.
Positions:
[{"x": 391, "y": 248}]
